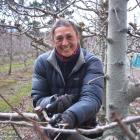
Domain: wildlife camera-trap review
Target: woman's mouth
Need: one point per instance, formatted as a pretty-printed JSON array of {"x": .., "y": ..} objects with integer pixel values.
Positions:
[{"x": 66, "y": 48}]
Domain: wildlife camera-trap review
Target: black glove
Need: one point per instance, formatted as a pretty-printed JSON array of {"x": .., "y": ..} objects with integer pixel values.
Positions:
[
  {"x": 62, "y": 103},
  {"x": 67, "y": 118},
  {"x": 57, "y": 119}
]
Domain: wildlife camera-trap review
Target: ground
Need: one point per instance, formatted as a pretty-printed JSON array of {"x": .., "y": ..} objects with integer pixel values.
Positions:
[{"x": 16, "y": 88}]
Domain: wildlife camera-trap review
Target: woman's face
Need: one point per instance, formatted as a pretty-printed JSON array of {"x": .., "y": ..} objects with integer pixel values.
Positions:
[{"x": 65, "y": 40}]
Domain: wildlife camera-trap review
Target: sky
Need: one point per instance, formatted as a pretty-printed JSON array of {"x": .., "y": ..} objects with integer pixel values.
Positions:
[{"x": 133, "y": 16}]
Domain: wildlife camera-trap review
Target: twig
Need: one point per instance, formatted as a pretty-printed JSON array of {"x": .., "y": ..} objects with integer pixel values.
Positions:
[
  {"x": 16, "y": 110},
  {"x": 40, "y": 131},
  {"x": 34, "y": 123},
  {"x": 16, "y": 117},
  {"x": 57, "y": 136},
  {"x": 129, "y": 133},
  {"x": 133, "y": 128},
  {"x": 66, "y": 7},
  {"x": 16, "y": 132},
  {"x": 18, "y": 123},
  {"x": 133, "y": 35},
  {"x": 138, "y": 3}
]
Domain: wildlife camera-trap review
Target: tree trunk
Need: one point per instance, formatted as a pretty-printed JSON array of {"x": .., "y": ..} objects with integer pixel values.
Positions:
[
  {"x": 116, "y": 62},
  {"x": 11, "y": 54}
]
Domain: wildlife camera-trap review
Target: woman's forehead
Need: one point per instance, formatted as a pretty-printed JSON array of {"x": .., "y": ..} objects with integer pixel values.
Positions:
[{"x": 64, "y": 30}]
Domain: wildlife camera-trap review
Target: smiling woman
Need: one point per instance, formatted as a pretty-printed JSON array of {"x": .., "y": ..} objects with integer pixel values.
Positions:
[{"x": 60, "y": 82}]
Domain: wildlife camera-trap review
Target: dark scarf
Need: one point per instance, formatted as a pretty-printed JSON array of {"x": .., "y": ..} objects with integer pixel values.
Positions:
[{"x": 66, "y": 64}]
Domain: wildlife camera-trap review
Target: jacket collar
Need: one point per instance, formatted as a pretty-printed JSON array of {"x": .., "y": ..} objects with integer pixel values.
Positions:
[
  {"x": 52, "y": 60},
  {"x": 80, "y": 61}
]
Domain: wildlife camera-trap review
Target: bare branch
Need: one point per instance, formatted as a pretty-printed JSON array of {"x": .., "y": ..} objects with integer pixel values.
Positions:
[
  {"x": 127, "y": 121},
  {"x": 127, "y": 131},
  {"x": 16, "y": 132},
  {"x": 17, "y": 117},
  {"x": 39, "y": 41},
  {"x": 87, "y": 9},
  {"x": 133, "y": 89},
  {"x": 13, "y": 4},
  {"x": 34, "y": 123},
  {"x": 130, "y": 9},
  {"x": 138, "y": 3},
  {"x": 41, "y": 132},
  {"x": 66, "y": 7},
  {"x": 16, "y": 110}
]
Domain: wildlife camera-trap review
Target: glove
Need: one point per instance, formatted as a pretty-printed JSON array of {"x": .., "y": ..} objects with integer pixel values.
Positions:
[
  {"x": 67, "y": 118},
  {"x": 44, "y": 101},
  {"x": 41, "y": 105},
  {"x": 62, "y": 103}
]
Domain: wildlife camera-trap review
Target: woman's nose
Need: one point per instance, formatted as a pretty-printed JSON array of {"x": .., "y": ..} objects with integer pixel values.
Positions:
[{"x": 65, "y": 42}]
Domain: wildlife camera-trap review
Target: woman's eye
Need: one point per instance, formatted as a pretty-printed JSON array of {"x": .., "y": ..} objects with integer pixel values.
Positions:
[
  {"x": 59, "y": 38},
  {"x": 69, "y": 37}
]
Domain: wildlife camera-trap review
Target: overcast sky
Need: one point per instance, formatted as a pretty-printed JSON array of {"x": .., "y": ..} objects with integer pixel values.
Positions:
[{"x": 134, "y": 15}]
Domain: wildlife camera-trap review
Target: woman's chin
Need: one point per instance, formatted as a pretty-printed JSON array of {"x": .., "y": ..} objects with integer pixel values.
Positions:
[{"x": 67, "y": 54}]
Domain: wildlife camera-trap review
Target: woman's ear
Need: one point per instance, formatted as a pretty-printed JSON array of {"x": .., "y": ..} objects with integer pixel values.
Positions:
[
  {"x": 51, "y": 40},
  {"x": 52, "y": 43},
  {"x": 78, "y": 38}
]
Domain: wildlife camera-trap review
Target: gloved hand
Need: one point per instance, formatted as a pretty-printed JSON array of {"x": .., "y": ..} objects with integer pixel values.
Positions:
[
  {"x": 41, "y": 105},
  {"x": 68, "y": 118},
  {"x": 58, "y": 120},
  {"x": 61, "y": 103}
]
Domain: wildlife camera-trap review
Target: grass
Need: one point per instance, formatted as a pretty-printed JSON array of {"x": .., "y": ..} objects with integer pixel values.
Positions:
[
  {"x": 5, "y": 68},
  {"x": 7, "y": 82},
  {"x": 16, "y": 88},
  {"x": 21, "y": 89},
  {"x": 15, "y": 99}
]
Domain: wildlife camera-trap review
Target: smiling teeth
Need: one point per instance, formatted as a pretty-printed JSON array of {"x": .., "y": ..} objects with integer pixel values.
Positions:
[{"x": 66, "y": 48}]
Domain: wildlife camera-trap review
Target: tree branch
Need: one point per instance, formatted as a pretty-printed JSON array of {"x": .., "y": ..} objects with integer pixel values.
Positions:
[
  {"x": 13, "y": 4},
  {"x": 66, "y": 7},
  {"x": 122, "y": 125},
  {"x": 16, "y": 132},
  {"x": 39, "y": 41},
  {"x": 16, "y": 110},
  {"x": 127, "y": 121},
  {"x": 17, "y": 117},
  {"x": 133, "y": 91}
]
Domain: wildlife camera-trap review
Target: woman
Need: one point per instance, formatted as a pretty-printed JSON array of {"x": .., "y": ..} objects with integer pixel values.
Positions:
[{"x": 68, "y": 81}]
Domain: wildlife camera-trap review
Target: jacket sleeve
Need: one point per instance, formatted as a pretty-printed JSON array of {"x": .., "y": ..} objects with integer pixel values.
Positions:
[
  {"x": 91, "y": 93},
  {"x": 40, "y": 89}
]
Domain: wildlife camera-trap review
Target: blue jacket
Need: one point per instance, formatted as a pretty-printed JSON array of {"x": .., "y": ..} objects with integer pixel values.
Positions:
[{"x": 86, "y": 80}]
